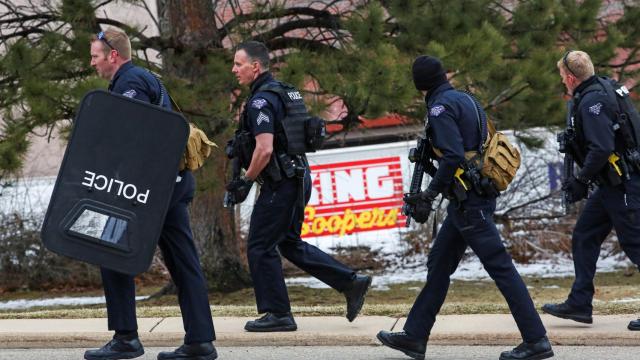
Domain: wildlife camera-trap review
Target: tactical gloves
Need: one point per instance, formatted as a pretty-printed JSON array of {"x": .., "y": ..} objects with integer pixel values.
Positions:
[
  {"x": 239, "y": 188},
  {"x": 421, "y": 203},
  {"x": 575, "y": 189}
]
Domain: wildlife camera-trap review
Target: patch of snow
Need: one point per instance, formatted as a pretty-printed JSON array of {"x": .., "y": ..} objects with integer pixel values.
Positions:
[
  {"x": 470, "y": 269},
  {"x": 26, "y": 304},
  {"x": 625, "y": 300}
]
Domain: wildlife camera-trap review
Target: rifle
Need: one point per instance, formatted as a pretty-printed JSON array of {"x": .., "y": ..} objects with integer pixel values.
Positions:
[
  {"x": 565, "y": 143},
  {"x": 420, "y": 156},
  {"x": 236, "y": 169}
]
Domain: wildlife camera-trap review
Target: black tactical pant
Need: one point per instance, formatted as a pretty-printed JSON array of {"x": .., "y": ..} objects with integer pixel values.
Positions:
[
  {"x": 607, "y": 208},
  {"x": 181, "y": 257},
  {"x": 274, "y": 231},
  {"x": 472, "y": 227}
]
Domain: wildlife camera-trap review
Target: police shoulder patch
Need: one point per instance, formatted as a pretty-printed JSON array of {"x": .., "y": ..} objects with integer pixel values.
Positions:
[
  {"x": 262, "y": 117},
  {"x": 258, "y": 103},
  {"x": 595, "y": 109},
  {"x": 436, "y": 110},
  {"x": 130, "y": 93}
]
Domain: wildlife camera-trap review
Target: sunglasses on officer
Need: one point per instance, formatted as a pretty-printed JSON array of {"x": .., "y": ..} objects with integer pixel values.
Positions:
[
  {"x": 565, "y": 61},
  {"x": 102, "y": 37}
]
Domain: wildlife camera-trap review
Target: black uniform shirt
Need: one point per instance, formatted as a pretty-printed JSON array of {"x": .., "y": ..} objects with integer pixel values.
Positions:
[
  {"x": 454, "y": 129},
  {"x": 594, "y": 120},
  {"x": 263, "y": 108},
  {"x": 137, "y": 83}
]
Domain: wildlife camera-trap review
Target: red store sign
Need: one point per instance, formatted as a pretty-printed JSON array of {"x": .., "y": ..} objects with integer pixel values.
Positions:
[{"x": 354, "y": 196}]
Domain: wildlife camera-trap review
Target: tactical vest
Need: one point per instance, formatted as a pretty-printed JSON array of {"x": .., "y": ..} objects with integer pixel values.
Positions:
[
  {"x": 298, "y": 132},
  {"x": 493, "y": 165},
  {"x": 626, "y": 122}
]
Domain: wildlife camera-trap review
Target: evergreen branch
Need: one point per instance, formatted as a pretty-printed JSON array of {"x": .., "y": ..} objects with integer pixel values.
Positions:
[
  {"x": 151, "y": 15},
  {"x": 294, "y": 25},
  {"x": 144, "y": 42},
  {"x": 128, "y": 29},
  {"x": 25, "y": 18},
  {"x": 23, "y": 33},
  {"x": 502, "y": 7},
  {"x": 623, "y": 65},
  {"x": 240, "y": 19},
  {"x": 106, "y": 2},
  {"x": 298, "y": 43},
  {"x": 497, "y": 101},
  {"x": 10, "y": 80}
]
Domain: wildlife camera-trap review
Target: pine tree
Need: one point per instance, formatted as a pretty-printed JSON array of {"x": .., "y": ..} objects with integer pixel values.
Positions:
[{"x": 356, "y": 52}]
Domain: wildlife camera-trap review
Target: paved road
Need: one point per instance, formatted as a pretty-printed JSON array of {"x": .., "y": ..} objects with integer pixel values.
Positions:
[{"x": 347, "y": 352}]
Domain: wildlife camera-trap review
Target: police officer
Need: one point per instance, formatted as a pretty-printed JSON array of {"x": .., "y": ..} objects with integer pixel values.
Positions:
[
  {"x": 111, "y": 57},
  {"x": 276, "y": 218},
  {"x": 454, "y": 126},
  {"x": 616, "y": 201}
]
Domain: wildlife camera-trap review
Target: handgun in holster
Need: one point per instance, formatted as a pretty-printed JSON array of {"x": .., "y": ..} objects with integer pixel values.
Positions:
[
  {"x": 459, "y": 187},
  {"x": 632, "y": 153},
  {"x": 616, "y": 170},
  {"x": 287, "y": 164}
]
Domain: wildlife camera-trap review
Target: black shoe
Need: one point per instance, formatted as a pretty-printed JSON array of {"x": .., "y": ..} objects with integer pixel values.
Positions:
[
  {"x": 116, "y": 349},
  {"x": 634, "y": 325},
  {"x": 538, "y": 350},
  {"x": 412, "y": 347},
  {"x": 272, "y": 322},
  {"x": 566, "y": 311},
  {"x": 355, "y": 295},
  {"x": 196, "y": 351}
]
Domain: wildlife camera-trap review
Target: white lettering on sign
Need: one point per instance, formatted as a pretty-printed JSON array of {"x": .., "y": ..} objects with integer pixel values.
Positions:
[
  {"x": 354, "y": 196},
  {"x": 294, "y": 95},
  {"x": 345, "y": 179},
  {"x": 103, "y": 183},
  {"x": 326, "y": 187},
  {"x": 379, "y": 185}
]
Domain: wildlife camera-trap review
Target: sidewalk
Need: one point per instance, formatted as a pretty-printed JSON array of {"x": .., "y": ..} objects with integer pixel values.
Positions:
[{"x": 318, "y": 331}]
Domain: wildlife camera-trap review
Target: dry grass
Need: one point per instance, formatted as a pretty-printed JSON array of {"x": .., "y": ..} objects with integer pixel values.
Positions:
[{"x": 465, "y": 297}]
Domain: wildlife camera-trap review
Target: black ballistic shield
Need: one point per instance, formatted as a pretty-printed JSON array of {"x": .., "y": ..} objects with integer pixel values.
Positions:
[{"x": 115, "y": 183}]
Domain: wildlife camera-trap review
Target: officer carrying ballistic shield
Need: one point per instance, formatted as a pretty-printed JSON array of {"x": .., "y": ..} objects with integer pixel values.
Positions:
[
  {"x": 273, "y": 135},
  {"x": 456, "y": 125},
  {"x": 111, "y": 57},
  {"x": 602, "y": 137}
]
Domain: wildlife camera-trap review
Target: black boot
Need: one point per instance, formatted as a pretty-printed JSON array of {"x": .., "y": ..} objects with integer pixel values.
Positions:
[
  {"x": 272, "y": 322},
  {"x": 566, "y": 311},
  {"x": 412, "y": 347},
  {"x": 538, "y": 350},
  {"x": 117, "y": 348},
  {"x": 195, "y": 351},
  {"x": 634, "y": 325},
  {"x": 355, "y": 295}
]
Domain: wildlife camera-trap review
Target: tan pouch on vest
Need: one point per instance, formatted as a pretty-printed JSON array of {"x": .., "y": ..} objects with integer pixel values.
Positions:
[{"x": 198, "y": 149}]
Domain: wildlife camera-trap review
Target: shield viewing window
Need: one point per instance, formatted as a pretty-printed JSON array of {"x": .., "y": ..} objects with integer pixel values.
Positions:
[{"x": 100, "y": 226}]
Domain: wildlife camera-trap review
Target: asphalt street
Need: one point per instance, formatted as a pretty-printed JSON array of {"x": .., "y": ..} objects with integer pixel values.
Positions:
[{"x": 346, "y": 352}]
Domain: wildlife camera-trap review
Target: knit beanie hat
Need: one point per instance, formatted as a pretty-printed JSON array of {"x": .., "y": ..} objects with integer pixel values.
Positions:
[{"x": 428, "y": 73}]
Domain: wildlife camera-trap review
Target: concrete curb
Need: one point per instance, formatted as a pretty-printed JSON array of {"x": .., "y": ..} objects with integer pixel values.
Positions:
[{"x": 318, "y": 331}]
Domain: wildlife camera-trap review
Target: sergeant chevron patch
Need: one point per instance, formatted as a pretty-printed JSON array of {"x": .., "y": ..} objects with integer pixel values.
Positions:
[{"x": 262, "y": 118}]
